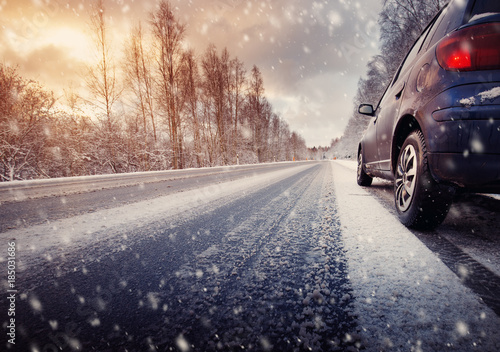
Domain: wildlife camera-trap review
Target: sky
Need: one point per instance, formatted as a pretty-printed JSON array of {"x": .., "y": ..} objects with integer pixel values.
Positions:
[{"x": 311, "y": 53}]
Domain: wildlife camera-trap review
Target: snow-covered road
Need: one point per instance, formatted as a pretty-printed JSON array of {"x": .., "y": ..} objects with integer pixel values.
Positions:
[
  {"x": 299, "y": 258},
  {"x": 406, "y": 298}
]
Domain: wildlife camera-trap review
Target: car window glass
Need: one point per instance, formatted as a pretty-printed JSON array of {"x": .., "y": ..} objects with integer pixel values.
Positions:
[
  {"x": 410, "y": 58},
  {"x": 452, "y": 17},
  {"x": 439, "y": 19},
  {"x": 485, "y": 6},
  {"x": 413, "y": 53}
]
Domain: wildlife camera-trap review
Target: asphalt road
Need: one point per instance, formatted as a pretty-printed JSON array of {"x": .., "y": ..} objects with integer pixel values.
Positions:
[
  {"x": 264, "y": 271},
  {"x": 262, "y": 268}
]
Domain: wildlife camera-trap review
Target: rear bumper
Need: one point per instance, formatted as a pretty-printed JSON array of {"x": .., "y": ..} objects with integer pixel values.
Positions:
[
  {"x": 474, "y": 172},
  {"x": 463, "y": 138}
]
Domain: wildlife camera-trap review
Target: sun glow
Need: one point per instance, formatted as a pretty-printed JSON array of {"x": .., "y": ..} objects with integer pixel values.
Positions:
[{"x": 77, "y": 43}]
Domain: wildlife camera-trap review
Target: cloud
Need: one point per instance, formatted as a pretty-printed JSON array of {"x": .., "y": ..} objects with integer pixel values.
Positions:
[
  {"x": 311, "y": 55},
  {"x": 49, "y": 65},
  {"x": 319, "y": 106}
]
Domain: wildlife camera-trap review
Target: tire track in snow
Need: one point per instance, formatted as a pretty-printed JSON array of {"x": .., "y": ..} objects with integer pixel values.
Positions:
[
  {"x": 276, "y": 281},
  {"x": 473, "y": 274}
]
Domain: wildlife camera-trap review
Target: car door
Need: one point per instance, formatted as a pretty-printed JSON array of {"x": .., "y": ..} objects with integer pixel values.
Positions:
[
  {"x": 370, "y": 151},
  {"x": 391, "y": 103},
  {"x": 389, "y": 111}
]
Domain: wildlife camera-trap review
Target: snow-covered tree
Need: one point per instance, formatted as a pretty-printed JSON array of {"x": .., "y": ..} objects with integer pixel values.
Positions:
[
  {"x": 162, "y": 108},
  {"x": 25, "y": 113}
]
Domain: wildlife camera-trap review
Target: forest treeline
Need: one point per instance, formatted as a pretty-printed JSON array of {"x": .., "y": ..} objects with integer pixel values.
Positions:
[
  {"x": 163, "y": 106},
  {"x": 401, "y": 22}
]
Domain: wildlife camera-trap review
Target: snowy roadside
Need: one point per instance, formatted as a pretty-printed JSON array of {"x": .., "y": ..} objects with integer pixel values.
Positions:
[
  {"x": 66, "y": 236},
  {"x": 32, "y": 189},
  {"x": 405, "y": 297}
]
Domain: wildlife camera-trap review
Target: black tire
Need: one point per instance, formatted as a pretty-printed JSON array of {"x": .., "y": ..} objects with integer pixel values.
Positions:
[
  {"x": 420, "y": 201},
  {"x": 362, "y": 178}
]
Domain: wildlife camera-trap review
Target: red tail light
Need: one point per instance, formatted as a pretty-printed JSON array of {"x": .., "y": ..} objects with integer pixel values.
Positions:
[{"x": 470, "y": 49}]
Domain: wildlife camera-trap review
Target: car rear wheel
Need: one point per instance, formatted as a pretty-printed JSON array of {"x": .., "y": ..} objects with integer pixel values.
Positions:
[
  {"x": 363, "y": 178},
  {"x": 421, "y": 202}
]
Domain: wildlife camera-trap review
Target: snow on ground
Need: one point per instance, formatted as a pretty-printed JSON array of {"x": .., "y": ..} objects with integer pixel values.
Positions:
[
  {"x": 405, "y": 297},
  {"x": 61, "y": 186}
]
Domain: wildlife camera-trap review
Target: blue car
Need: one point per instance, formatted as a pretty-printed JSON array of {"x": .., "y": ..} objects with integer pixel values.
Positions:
[{"x": 436, "y": 129}]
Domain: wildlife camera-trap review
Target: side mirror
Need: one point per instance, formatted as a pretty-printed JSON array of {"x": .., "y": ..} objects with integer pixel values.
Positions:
[{"x": 366, "y": 109}]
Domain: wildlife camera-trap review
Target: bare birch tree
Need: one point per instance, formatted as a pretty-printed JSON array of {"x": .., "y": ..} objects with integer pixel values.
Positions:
[
  {"x": 104, "y": 87},
  {"x": 139, "y": 80},
  {"x": 101, "y": 78},
  {"x": 215, "y": 82},
  {"x": 236, "y": 86},
  {"x": 256, "y": 102},
  {"x": 191, "y": 81},
  {"x": 168, "y": 35}
]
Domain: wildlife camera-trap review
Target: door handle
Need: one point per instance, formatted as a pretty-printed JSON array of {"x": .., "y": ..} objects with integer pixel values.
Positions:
[{"x": 398, "y": 96}]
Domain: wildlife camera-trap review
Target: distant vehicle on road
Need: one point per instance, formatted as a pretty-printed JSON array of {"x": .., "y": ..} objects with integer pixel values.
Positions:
[{"x": 436, "y": 129}]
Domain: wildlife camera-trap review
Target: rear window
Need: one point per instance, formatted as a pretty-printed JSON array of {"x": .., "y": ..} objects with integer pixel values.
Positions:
[{"x": 485, "y": 7}]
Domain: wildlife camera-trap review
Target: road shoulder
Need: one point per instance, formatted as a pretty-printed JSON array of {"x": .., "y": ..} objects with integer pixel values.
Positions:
[{"x": 406, "y": 298}]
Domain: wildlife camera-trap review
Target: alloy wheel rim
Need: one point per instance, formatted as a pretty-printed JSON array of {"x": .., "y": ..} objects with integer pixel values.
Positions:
[{"x": 406, "y": 178}]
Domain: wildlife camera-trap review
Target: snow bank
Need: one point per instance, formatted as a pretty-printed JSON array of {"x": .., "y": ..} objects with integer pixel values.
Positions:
[
  {"x": 406, "y": 299},
  {"x": 31, "y": 189}
]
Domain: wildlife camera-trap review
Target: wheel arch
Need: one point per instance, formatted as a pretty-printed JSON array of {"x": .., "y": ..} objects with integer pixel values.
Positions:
[{"x": 406, "y": 125}]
